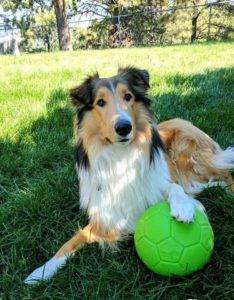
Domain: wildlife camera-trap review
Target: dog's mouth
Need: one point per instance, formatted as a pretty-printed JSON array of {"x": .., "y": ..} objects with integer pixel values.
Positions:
[
  {"x": 108, "y": 140},
  {"x": 124, "y": 140},
  {"x": 120, "y": 141}
]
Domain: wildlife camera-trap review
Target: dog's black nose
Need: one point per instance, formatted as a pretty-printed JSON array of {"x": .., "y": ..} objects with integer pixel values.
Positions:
[{"x": 123, "y": 128}]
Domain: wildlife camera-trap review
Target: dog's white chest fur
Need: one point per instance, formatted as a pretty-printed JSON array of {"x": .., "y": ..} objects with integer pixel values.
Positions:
[{"x": 120, "y": 185}]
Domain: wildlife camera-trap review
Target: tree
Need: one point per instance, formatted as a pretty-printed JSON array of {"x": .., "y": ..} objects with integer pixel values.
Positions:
[
  {"x": 109, "y": 9},
  {"x": 60, "y": 8},
  {"x": 45, "y": 28},
  {"x": 195, "y": 15},
  {"x": 29, "y": 9}
]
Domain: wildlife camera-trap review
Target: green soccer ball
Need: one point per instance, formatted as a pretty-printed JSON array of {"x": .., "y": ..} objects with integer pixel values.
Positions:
[{"x": 169, "y": 247}]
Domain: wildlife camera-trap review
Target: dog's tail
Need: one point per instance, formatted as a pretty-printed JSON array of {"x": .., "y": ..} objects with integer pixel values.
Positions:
[{"x": 224, "y": 159}]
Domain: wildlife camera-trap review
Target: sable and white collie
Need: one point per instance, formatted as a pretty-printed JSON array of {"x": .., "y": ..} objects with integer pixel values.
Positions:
[{"x": 126, "y": 163}]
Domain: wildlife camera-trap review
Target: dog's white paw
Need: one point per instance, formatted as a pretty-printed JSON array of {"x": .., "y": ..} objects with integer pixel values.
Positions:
[
  {"x": 183, "y": 210},
  {"x": 182, "y": 206},
  {"x": 47, "y": 271}
]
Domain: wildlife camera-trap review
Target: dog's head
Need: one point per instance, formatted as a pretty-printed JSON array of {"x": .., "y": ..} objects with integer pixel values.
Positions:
[{"x": 110, "y": 107}]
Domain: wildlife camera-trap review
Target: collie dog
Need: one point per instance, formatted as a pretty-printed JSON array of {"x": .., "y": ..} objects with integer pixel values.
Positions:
[{"x": 126, "y": 163}]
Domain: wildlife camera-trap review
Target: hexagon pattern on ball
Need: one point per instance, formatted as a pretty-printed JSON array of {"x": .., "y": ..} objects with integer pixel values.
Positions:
[
  {"x": 169, "y": 247},
  {"x": 151, "y": 256},
  {"x": 152, "y": 223}
]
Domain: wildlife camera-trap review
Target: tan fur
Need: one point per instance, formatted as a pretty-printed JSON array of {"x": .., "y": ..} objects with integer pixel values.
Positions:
[
  {"x": 88, "y": 235},
  {"x": 143, "y": 134},
  {"x": 190, "y": 153}
]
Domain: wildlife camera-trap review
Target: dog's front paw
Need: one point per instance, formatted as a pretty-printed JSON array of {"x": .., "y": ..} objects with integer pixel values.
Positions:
[
  {"x": 182, "y": 206},
  {"x": 46, "y": 271},
  {"x": 183, "y": 210}
]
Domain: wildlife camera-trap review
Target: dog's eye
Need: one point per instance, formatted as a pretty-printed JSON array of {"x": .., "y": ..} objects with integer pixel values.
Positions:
[
  {"x": 101, "y": 102},
  {"x": 127, "y": 97}
]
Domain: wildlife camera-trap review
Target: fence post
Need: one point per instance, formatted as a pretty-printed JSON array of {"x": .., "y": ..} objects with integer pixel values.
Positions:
[
  {"x": 209, "y": 22},
  {"x": 119, "y": 30}
]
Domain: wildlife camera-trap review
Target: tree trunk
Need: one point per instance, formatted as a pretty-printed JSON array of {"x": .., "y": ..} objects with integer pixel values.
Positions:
[
  {"x": 115, "y": 23},
  {"x": 195, "y": 16},
  {"x": 209, "y": 23},
  {"x": 47, "y": 42},
  {"x": 62, "y": 25},
  {"x": 15, "y": 46}
]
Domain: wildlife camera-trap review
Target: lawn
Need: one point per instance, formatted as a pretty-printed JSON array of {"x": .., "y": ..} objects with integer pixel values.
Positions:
[{"x": 38, "y": 185}]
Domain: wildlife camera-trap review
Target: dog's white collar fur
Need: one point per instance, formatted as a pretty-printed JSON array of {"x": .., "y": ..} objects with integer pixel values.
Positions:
[{"x": 120, "y": 184}]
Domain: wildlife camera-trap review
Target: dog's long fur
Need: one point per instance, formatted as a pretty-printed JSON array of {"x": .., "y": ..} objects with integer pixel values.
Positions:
[{"x": 121, "y": 176}]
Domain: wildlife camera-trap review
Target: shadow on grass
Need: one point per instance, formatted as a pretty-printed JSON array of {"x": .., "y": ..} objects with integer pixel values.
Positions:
[
  {"x": 205, "y": 99},
  {"x": 39, "y": 196},
  {"x": 38, "y": 189}
]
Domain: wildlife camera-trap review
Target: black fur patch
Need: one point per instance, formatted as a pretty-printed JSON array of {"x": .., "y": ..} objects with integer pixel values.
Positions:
[
  {"x": 82, "y": 96},
  {"x": 137, "y": 76},
  {"x": 82, "y": 159},
  {"x": 138, "y": 82},
  {"x": 80, "y": 112},
  {"x": 156, "y": 144},
  {"x": 140, "y": 95}
]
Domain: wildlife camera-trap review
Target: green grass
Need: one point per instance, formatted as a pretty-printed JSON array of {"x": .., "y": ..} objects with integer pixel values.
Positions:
[{"x": 38, "y": 185}]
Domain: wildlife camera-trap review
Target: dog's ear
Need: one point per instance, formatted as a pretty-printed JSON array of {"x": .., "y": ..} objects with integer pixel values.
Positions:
[
  {"x": 82, "y": 94},
  {"x": 135, "y": 76}
]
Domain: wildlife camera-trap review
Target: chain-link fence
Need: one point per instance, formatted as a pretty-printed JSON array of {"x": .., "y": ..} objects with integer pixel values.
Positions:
[{"x": 148, "y": 26}]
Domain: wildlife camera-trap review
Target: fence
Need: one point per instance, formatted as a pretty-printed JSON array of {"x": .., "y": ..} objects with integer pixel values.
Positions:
[{"x": 148, "y": 26}]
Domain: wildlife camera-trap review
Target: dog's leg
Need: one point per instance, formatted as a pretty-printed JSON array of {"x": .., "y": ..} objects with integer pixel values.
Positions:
[
  {"x": 84, "y": 236},
  {"x": 47, "y": 271},
  {"x": 182, "y": 206}
]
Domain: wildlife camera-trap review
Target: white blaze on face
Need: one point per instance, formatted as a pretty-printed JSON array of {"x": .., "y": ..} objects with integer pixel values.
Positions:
[
  {"x": 122, "y": 114},
  {"x": 112, "y": 87}
]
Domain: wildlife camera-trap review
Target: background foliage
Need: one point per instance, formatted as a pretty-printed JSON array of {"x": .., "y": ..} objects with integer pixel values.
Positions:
[{"x": 120, "y": 23}]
